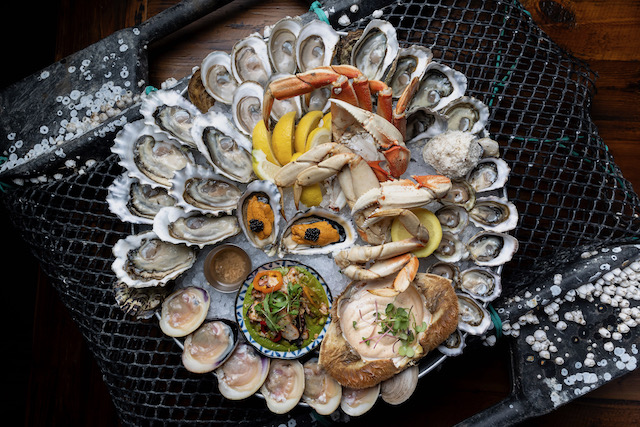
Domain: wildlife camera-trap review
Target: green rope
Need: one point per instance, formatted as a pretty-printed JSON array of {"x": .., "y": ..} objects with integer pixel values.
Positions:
[
  {"x": 149, "y": 89},
  {"x": 316, "y": 7},
  {"x": 497, "y": 322}
]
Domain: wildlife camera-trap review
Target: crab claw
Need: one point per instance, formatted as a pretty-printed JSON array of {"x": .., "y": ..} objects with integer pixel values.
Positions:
[
  {"x": 398, "y": 157},
  {"x": 438, "y": 184},
  {"x": 378, "y": 269},
  {"x": 402, "y": 280}
]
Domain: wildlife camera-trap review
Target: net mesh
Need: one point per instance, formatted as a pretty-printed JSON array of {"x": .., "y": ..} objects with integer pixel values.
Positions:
[{"x": 567, "y": 188}]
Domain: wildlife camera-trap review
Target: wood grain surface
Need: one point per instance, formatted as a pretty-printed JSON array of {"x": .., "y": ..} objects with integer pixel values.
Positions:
[{"x": 55, "y": 381}]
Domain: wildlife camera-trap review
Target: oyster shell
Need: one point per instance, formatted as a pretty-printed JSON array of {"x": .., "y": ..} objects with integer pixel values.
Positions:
[
  {"x": 140, "y": 303},
  {"x": 376, "y": 49},
  {"x": 217, "y": 76},
  {"x": 282, "y": 106},
  {"x": 194, "y": 228},
  {"x": 283, "y": 388},
  {"x": 198, "y": 188},
  {"x": 250, "y": 60},
  {"x": 461, "y": 194},
  {"x": 197, "y": 94},
  {"x": 439, "y": 85},
  {"x": 451, "y": 249},
  {"x": 399, "y": 388},
  {"x": 494, "y": 213},
  {"x": 143, "y": 260},
  {"x": 453, "y": 345},
  {"x": 489, "y": 174},
  {"x": 424, "y": 123},
  {"x": 246, "y": 106},
  {"x": 315, "y": 45},
  {"x": 148, "y": 155},
  {"x": 467, "y": 114},
  {"x": 282, "y": 44},
  {"x": 352, "y": 362},
  {"x": 301, "y": 224},
  {"x": 481, "y": 283},
  {"x": 357, "y": 401},
  {"x": 473, "y": 318},
  {"x": 268, "y": 194},
  {"x": 243, "y": 373},
  {"x": 134, "y": 202},
  {"x": 224, "y": 147},
  {"x": 488, "y": 248},
  {"x": 171, "y": 113},
  {"x": 411, "y": 62},
  {"x": 453, "y": 218},
  {"x": 209, "y": 346},
  {"x": 183, "y": 311},
  {"x": 321, "y": 391}
]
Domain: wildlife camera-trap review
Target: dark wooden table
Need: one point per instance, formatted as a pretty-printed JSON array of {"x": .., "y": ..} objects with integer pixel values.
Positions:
[{"x": 56, "y": 381}]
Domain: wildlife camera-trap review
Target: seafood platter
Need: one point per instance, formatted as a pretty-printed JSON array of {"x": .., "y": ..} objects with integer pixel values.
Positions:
[{"x": 313, "y": 215}]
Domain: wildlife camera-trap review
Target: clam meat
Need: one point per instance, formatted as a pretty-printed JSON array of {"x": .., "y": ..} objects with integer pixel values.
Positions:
[
  {"x": 259, "y": 216},
  {"x": 209, "y": 346},
  {"x": 217, "y": 77},
  {"x": 317, "y": 231},
  {"x": 143, "y": 260},
  {"x": 376, "y": 49},
  {"x": 226, "y": 148},
  {"x": 183, "y": 311},
  {"x": 173, "y": 224},
  {"x": 243, "y": 373},
  {"x": 198, "y": 188},
  {"x": 321, "y": 391},
  {"x": 357, "y": 401},
  {"x": 284, "y": 385}
]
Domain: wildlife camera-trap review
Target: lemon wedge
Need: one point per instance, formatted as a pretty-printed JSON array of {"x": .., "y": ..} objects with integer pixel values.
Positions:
[
  {"x": 318, "y": 136},
  {"x": 326, "y": 120},
  {"x": 311, "y": 195},
  {"x": 282, "y": 138},
  {"x": 431, "y": 223},
  {"x": 307, "y": 123},
  {"x": 295, "y": 156},
  {"x": 261, "y": 138},
  {"x": 263, "y": 168}
]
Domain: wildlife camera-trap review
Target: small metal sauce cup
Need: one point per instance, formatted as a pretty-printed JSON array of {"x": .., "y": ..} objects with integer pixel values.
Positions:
[{"x": 215, "y": 279}]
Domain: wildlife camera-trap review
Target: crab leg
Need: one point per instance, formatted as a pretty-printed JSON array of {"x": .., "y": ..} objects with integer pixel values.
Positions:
[
  {"x": 288, "y": 174},
  {"x": 378, "y": 269},
  {"x": 399, "y": 119},
  {"x": 317, "y": 173},
  {"x": 402, "y": 280},
  {"x": 385, "y": 98},
  {"x": 408, "y": 219},
  {"x": 362, "y": 254}
]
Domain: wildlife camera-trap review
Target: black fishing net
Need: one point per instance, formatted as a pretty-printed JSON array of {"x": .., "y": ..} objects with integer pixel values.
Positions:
[{"x": 567, "y": 188}]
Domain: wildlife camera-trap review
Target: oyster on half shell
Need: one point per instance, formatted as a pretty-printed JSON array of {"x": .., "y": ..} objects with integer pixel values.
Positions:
[
  {"x": 315, "y": 45},
  {"x": 410, "y": 63},
  {"x": 357, "y": 312},
  {"x": 439, "y": 85},
  {"x": 282, "y": 45},
  {"x": 376, "y": 49},
  {"x": 171, "y": 113},
  {"x": 199, "y": 188},
  {"x": 489, "y": 249},
  {"x": 250, "y": 60},
  {"x": 225, "y": 148},
  {"x": 246, "y": 106},
  {"x": 143, "y": 260},
  {"x": 137, "y": 203},
  {"x": 193, "y": 228},
  {"x": 217, "y": 77}
]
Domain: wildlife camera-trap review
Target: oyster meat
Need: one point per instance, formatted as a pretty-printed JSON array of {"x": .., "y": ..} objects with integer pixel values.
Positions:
[
  {"x": 489, "y": 249},
  {"x": 183, "y": 311},
  {"x": 376, "y": 49},
  {"x": 494, "y": 213},
  {"x": 194, "y": 228},
  {"x": 259, "y": 216},
  {"x": 358, "y": 313},
  {"x": 315, "y": 45},
  {"x": 250, "y": 60},
  {"x": 451, "y": 248},
  {"x": 317, "y": 231},
  {"x": 217, "y": 76},
  {"x": 452, "y": 218},
  {"x": 424, "y": 123},
  {"x": 489, "y": 174},
  {"x": 453, "y": 345},
  {"x": 199, "y": 188},
  {"x": 143, "y": 260},
  {"x": 209, "y": 346},
  {"x": 411, "y": 63},
  {"x": 226, "y": 148},
  {"x": 171, "y": 113},
  {"x": 243, "y": 373},
  {"x": 481, "y": 283},
  {"x": 474, "y": 319},
  {"x": 284, "y": 385},
  {"x": 466, "y": 114}
]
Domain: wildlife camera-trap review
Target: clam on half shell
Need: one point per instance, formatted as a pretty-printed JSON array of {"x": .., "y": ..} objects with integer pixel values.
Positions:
[
  {"x": 209, "y": 346},
  {"x": 243, "y": 373},
  {"x": 354, "y": 364}
]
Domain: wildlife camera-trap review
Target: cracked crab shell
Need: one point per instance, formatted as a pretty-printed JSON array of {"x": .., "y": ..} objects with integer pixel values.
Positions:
[{"x": 354, "y": 364}]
